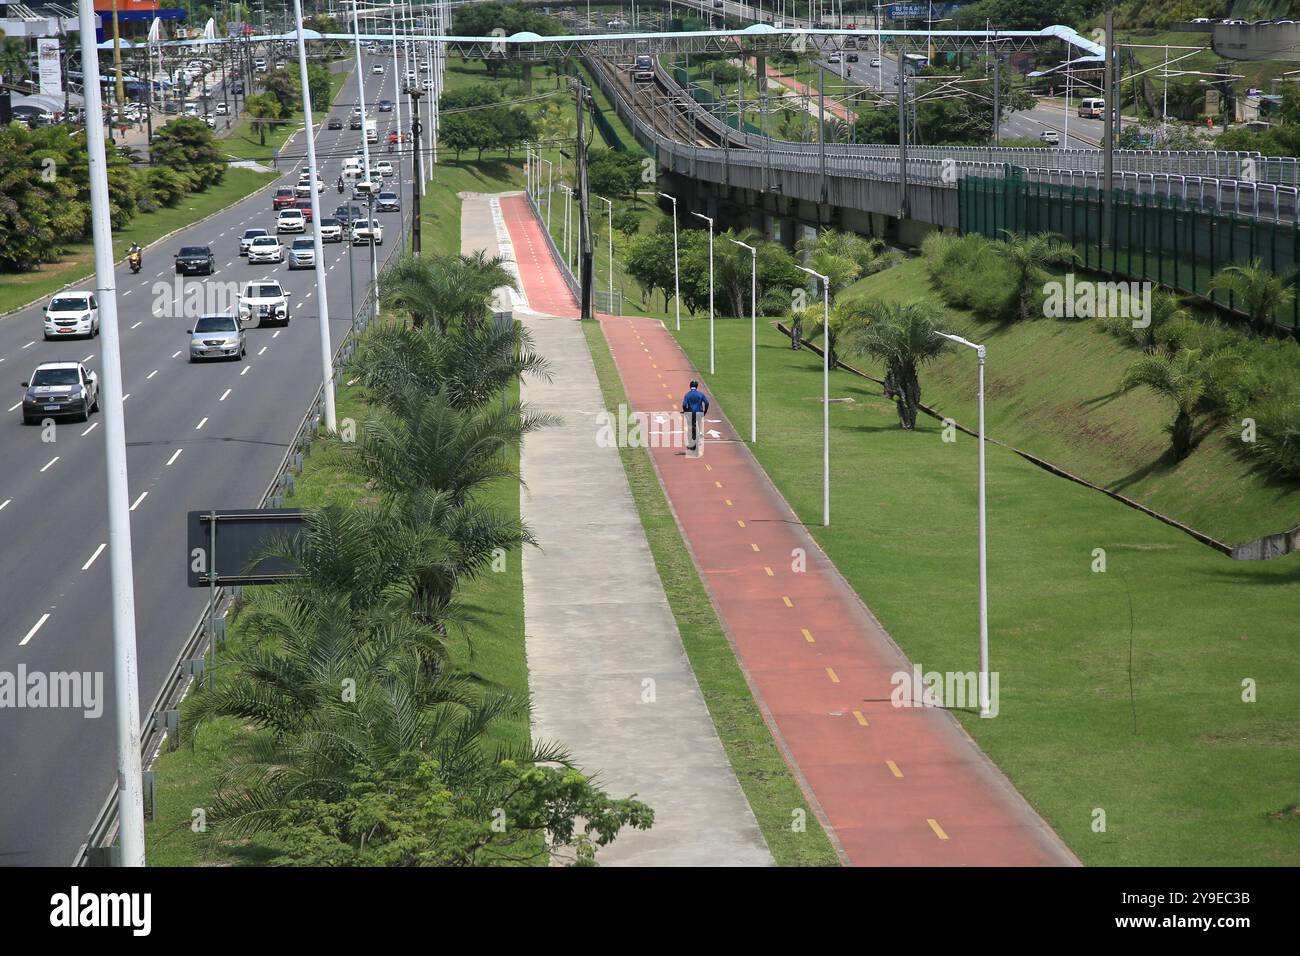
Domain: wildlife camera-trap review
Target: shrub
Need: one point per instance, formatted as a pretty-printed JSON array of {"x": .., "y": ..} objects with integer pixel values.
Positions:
[{"x": 968, "y": 274}]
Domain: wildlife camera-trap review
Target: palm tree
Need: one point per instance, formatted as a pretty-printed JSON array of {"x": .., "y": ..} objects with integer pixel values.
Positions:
[
  {"x": 1028, "y": 255},
  {"x": 469, "y": 364},
  {"x": 432, "y": 444},
  {"x": 1165, "y": 308},
  {"x": 447, "y": 290},
  {"x": 1181, "y": 379},
  {"x": 1262, "y": 292},
  {"x": 903, "y": 338}
]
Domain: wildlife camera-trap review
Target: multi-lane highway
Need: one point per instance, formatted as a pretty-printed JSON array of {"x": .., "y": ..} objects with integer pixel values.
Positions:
[{"x": 198, "y": 436}]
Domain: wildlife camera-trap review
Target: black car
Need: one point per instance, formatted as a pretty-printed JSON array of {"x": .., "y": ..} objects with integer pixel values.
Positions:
[
  {"x": 194, "y": 261},
  {"x": 851, "y": 57},
  {"x": 385, "y": 106},
  {"x": 334, "y": 123},
  {"x": 237, "y": 87},
  {"x": 387, "y": 202},
  {"x": 348, "y": 212},
  {"x": 354, "y": 123}
]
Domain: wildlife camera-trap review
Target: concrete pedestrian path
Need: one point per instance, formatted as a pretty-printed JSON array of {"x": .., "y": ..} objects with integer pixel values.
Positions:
[
  {"x": 607, "y": 672},
  {"x": 894, "y": 786}
]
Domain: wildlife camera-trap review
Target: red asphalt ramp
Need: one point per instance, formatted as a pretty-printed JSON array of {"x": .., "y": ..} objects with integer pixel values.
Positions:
[
  {"x": 543, "y": 284},
  {"x": 893, "y": 786}
]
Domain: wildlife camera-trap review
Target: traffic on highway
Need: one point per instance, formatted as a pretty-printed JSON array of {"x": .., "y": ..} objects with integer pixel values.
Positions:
[{"x": 220, "y": 357}]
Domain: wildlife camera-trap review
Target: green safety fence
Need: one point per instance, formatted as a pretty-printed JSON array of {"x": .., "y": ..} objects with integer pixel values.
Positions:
[{"x": 1158, "y": 238}]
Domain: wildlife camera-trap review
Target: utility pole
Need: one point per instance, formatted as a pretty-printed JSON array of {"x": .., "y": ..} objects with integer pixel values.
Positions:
[
  {"x": 416, "y": 167},
  {"x": 997, "y": 93},
  {"x": 586, "y": 270},
  {"x": 903, "y": 211},
  {"x": 1108, "y": 130},
  {"x": 126, "y": 690}
]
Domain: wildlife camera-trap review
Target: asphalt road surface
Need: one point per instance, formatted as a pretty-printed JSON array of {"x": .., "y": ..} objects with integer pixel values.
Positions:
[{"x": 198, "y": 436}]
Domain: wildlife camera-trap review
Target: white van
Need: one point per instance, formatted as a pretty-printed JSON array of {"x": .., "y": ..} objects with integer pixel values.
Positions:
[
  {"x": 1092, "y": 107},
  {"x": 352, "y": 168},
  {"x": 372, "y": 132}
]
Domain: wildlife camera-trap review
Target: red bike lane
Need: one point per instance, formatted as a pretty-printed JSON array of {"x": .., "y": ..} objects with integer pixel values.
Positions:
[{"x": 895, "y": 786}]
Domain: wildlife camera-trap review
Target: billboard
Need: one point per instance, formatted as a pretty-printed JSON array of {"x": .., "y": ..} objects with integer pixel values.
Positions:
[{"x": 47, "y": 56}]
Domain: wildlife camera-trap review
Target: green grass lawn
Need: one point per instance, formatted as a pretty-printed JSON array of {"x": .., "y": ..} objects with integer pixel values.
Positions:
[
  {"x": 1077, "y": 418},
  {"x": 768, "y": 784},
  {"x": 440, "y": 208},
  {"x": 78, "y": 260},
  {"x": 1186, "y": 772}
]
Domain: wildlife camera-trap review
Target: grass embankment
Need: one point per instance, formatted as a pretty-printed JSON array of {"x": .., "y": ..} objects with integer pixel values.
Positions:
[
  {"x": 1185, "y": 771},
  {"x": 1076, "y": 417},
  {"x": 79, "y": 258},
  {"x": 243, "y": 143},
  {"x": 187, "y": 777},
  {"x": 768, "y": 784}
]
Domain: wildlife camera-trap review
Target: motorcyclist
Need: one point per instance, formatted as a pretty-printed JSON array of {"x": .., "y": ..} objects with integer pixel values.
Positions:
[
  {"x": 135, "y": 255},
  {"x": 340, "y": 184}
]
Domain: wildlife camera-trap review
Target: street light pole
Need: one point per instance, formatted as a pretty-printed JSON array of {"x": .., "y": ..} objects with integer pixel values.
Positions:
[
  {"x": 550, "y": 175},
  {"x": 677, "y": 290},
  {"x": 610, "y": 208},
  {"x": 365, "y": 152},
  {"x": 322, "y": 308},
  {"x": 126, "y": 690},
  {"x": 826, "y": 394},
  {"x": 985, "y": 711},
  {"x": 699, "y": 215},
  {"x": 753, "y": 339}
]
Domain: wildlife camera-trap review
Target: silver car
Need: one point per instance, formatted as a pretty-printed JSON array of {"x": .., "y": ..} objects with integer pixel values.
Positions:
[
  {"x": 217, "y": 336},
  {"x": 302, "y": 254}
]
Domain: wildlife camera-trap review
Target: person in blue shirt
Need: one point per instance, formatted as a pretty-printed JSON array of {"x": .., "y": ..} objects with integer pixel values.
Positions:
[{"x": 694, "y": 404}]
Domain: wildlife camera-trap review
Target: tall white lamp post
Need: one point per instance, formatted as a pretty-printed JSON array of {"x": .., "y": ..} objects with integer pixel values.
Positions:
[
  {"x": 677, "y": 291},
  {"x": 984, "y": 582},
  {"x": 610, "y": 208},
  {"x": 753, "y": 339},
  {"x": 699, "y": 215},
  {"x": 826, "y": 394}
]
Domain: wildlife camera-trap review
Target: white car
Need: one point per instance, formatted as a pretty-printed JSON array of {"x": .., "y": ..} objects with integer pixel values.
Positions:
[
  {"x": 291, "y": 220},
  {"x": 265, "y": 249},
  {"x": 72, "y": 313},
  {"x": 247, "y": 238},
  {"x": 384, "y": 168},
  {"x": 264, "y": 301},
  {"x": 377, "y": 69},
  {"x": 1049, "y": 137},
  {"x": 363, "y": 232},
  {"x": 875, "y": 61},
  {"x": 331, "y": 230},
  {"x": 60, "y": 388}
]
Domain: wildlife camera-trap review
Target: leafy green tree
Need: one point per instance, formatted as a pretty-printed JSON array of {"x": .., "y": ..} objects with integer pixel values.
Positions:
[
  {"x": 446, "y": 291},
  {"x": 403, "y": 816},
  {"x": 1262, "y": 292},
  {"x": 1028, "y": 256},
  {"x": 187, "y": 145},
  {"x": 1181, "y": 379},
  {"x": 264, "y": 109},
  {"x": 902, "y": 337}
]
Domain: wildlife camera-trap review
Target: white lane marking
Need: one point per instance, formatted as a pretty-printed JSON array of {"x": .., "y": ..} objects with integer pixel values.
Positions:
[
  {"x": 92, "y": 427},
  {"x": 4, "y": 504},
  {"x": 160, "y": 275},
  {"x": 89, "y": 357},
  {"x": 50, "y": 462},
  {"x": 35, "y": 627},
  {"x": 15, "y": 405},
  {"x": 200, "y": 424},
  {"x": 136, "y": 504},
  {"x": 126, "y": 396},
  {"x": 128, "y": 292},
  {"x": 98, "y": 552},
  {"x": 245, "y": 370},
  {"x": 30, "y": 344},
  {"x": 176, "y": 454},
  {"x": 151, "y": 375},
  {"x": 276, "y": 334},
  {"x": 137, "y": 325},
  {"x": 176, "y": 353},
  {"x": 264, "y": 348},
  {"x": 224, "y": 395}
]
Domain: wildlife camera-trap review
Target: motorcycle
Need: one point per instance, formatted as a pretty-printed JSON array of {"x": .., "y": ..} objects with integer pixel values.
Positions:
[
  {"x": 340, "y": 185},
  {"x": 135, "y": 260}
]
